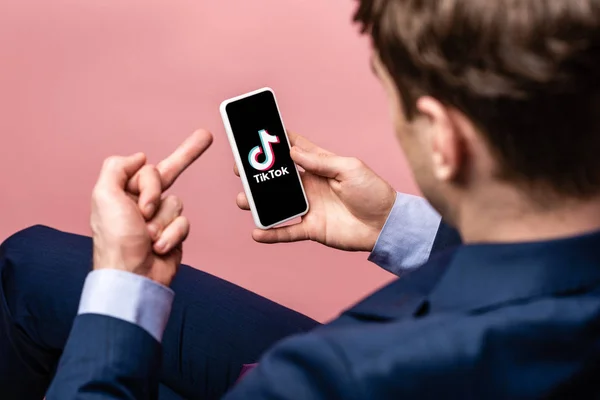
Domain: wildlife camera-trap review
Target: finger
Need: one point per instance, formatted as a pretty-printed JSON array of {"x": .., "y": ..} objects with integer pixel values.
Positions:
[
  {"x": 290, "y": 233},
  {"x": 305, "y": 144},
  {"x": 117, "y": 170},
  {"x": 150, "y": 188},
  {"x": 171, "y": 207},
  {"x": 323, "y": 164},
  {"x": 192, "y": 148},
  {"x": 133, "y": 197},
  {"x": 173, "y": 235},
  {"x": 242, "y": 201},
  {"x": 235, "y": 169}
]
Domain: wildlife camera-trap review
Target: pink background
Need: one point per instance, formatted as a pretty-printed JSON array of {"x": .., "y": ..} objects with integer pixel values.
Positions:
[{"x": 81, "y": 80}]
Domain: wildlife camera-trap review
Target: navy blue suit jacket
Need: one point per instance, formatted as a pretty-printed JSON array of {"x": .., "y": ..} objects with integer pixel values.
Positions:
[{"x": 481, "y": 321}]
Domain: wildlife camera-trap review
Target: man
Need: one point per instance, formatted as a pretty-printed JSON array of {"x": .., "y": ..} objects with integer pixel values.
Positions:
[{"x": 496, "y": 106}]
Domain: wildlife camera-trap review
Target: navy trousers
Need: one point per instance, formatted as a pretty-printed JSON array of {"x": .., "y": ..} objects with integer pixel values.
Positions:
[{"x": 214, "y": 329}]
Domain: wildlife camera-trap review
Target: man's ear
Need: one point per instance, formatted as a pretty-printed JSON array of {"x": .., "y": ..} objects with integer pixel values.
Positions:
[{"x": 445, "y": 140}]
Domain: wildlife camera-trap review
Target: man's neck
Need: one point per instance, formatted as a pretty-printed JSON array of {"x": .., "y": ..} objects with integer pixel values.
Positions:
[{"x": 505, "y": 216}]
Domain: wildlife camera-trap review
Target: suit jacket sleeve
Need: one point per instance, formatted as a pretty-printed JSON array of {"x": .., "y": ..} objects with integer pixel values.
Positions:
[
  {"x": 107, "y": 358},
  {"x": 303, "y": 367},
  {"x": 113, "y": 351},
  {"x": 445, "y": 238}
]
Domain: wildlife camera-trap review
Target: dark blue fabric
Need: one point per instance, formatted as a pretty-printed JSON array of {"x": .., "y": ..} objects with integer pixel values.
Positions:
[
  {"x": 107, "y": 358},
  {"x": 447, "y": 238},
  {"x": 506, "y": 321},
  {"x": 215, "y": 327}
]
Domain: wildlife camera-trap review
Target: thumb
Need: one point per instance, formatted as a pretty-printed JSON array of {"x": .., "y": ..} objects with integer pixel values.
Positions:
[{"x": 323, "y": 164}]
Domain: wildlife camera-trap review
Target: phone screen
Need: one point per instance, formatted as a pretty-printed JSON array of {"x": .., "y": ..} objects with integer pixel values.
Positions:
[{"x": 265, "y": 154}]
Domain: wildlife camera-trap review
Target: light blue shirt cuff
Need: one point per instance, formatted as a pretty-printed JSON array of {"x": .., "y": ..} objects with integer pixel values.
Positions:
[
  {"x": 407, "y": 237},
  {"x": 129, "y": 297}
]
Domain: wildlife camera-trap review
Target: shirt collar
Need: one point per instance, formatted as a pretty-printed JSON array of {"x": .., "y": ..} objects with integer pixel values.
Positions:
[{"x": 485, "y": 275}]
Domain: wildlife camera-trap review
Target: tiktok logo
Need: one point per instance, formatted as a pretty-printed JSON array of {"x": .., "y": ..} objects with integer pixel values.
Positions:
[
  {"x": 266, "y": 147},
  {"x": 266, "y": 141}
]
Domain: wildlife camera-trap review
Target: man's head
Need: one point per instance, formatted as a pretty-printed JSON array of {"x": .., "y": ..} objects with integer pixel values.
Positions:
[{"x": 492, "y": 93}]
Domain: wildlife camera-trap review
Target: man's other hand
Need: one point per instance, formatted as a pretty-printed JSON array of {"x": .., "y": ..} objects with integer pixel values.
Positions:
[{"x": 134, "y": 227}]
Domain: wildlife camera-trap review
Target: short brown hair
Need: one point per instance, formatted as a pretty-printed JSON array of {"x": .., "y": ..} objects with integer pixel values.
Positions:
[{"x": 526, "y": 72}]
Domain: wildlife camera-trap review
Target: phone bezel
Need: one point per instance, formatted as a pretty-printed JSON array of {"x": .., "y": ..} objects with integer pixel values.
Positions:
[{"x": 238, "y": 160}]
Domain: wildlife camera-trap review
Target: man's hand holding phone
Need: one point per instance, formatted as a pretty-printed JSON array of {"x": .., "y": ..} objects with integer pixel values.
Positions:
[{"x": 349, "y": 203}]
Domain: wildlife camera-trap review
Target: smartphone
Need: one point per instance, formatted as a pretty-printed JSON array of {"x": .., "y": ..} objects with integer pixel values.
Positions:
[{"x": 261, "y": 150}]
